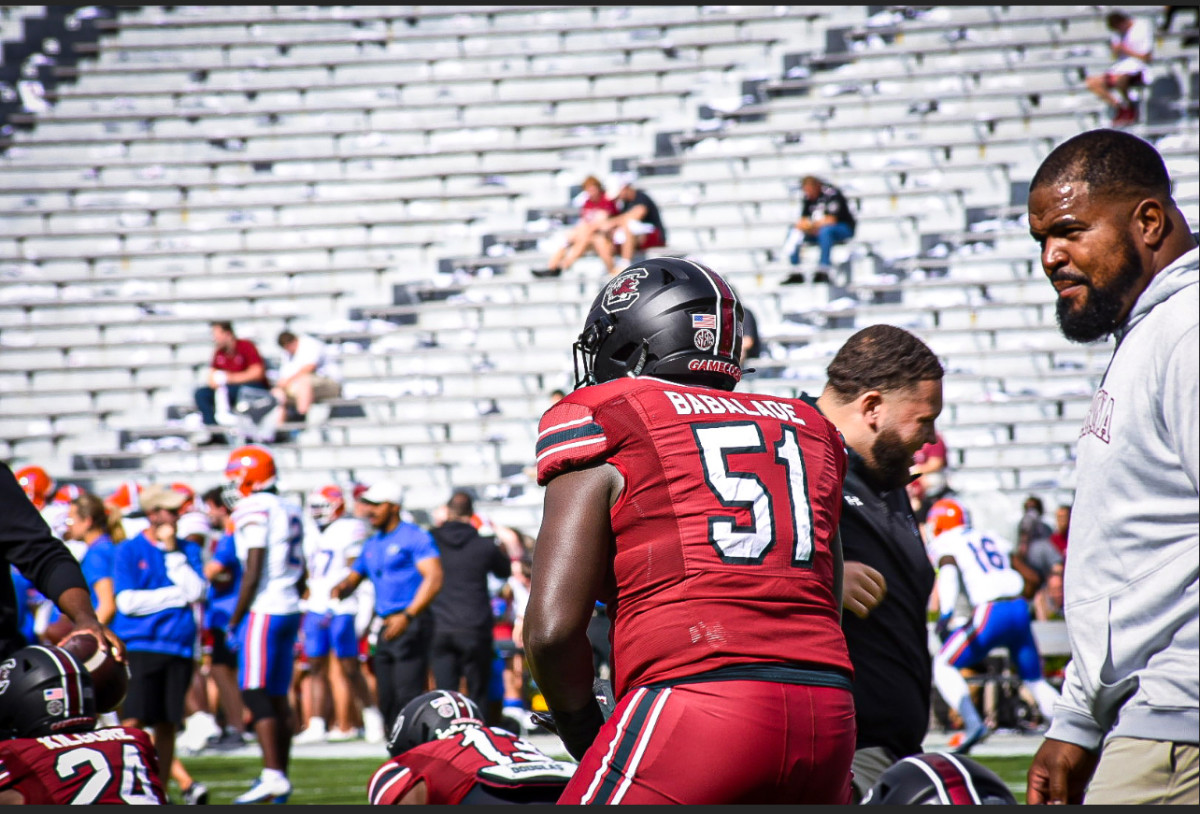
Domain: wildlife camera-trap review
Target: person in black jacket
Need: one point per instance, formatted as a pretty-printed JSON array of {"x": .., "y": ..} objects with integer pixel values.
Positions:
[
  {"x": 27, "y": 543},
  {"x": 462, "y": 645},
  {"x": 884, "y": 392}
]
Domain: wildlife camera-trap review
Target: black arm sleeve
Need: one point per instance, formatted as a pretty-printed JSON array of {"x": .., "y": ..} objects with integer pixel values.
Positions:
[
  {"x": 26, "y": 542},
  {"x": 501, "y": 565}
]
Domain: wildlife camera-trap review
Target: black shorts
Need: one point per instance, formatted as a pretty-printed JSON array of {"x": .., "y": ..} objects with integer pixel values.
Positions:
[
  {"x": 219, "y": 650},
  {"x": 158, "y": 684}
]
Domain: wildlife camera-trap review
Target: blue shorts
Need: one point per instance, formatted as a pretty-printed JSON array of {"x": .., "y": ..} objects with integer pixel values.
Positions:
[
  {"x": 1005, "y": 623},
  {"x": 265, "y": 655},
  {"x": 324, "y": 633}
]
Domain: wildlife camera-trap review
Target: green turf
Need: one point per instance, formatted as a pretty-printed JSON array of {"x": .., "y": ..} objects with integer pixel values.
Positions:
[
  {"x": 342, "y": 780},
  {"x": 324, "y": 781}
]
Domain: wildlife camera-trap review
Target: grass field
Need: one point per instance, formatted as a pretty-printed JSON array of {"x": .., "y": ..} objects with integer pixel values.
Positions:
[{"x": 344, "y": 780}]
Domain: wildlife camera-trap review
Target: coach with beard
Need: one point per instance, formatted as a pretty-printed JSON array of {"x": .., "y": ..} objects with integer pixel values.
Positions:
[{"x": 884, "y": 392}]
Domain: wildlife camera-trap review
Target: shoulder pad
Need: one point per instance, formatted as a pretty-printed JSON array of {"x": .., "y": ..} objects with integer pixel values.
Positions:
[{"x": 569, "y": 437}]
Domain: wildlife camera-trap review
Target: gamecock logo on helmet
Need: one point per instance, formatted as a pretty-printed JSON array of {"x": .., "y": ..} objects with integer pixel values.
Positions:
[{"x": 623, "y": 291}]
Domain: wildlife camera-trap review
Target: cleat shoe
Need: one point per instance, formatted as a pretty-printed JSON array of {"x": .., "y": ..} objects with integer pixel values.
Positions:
[
  {"x": 196, "y": 795},
  {"x": 341, "y": 735},
  {"x": 373, "y": 729},
  {"x": 276, "y": 790}
]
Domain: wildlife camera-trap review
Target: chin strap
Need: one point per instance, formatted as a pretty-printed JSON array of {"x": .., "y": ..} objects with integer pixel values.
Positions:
[{"x": 644, "y": 355}]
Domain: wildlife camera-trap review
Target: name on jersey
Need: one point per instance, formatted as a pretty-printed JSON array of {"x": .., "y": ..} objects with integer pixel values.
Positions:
[
  {"x": 80, "y": 738},
  {"x": 692, "y": 404}
]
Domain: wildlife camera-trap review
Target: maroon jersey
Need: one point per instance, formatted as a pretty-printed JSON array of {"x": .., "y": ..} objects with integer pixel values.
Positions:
[
  {"x": 452, "y": 766},
  {"x": 723, "y": 530},
  {"x": 114, "y": 766}
]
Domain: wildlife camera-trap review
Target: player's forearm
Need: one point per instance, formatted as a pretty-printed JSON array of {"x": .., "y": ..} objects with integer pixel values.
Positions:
[
  {"x": 245, "y": 596},
  {"x": 76, "y": 604},
  {"x": 561, "y": 665}
]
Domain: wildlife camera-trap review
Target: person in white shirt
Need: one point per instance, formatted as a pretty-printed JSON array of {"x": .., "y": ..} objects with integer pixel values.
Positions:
[
  {"x": 306, "y": 375},
  {"x": 330, "y": 624},
  {"x": 1132, "y": 44},
  {"x": 1000, "y": 616},
  {"x": 269, "y": 539}
]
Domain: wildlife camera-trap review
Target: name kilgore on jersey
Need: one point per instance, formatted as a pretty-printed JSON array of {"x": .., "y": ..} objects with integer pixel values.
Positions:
[
  {"x": 341, "y": 540},
  {"x": 265, "y": 520},
  {"x": 983, "y": 562}
]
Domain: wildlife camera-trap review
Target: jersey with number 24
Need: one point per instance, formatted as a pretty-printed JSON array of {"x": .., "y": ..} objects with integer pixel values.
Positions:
[{"x": 116, "y": 766}]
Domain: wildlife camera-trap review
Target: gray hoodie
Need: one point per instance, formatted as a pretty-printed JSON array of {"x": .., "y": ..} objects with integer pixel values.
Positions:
[{"x": 1134, "y": 557}]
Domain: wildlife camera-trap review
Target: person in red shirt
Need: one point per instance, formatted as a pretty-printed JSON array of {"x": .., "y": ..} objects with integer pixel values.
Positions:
[
  {"x": 235, "y": 363},
  {"x": 589, "y": 233},
  {"x": 50, "y": 750},
  {"x": 444, "y": 754},
  {"x": 706, "y": 520}
]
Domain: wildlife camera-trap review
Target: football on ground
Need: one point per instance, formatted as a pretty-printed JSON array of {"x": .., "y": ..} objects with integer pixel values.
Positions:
[{"x": 109, "y": 676}]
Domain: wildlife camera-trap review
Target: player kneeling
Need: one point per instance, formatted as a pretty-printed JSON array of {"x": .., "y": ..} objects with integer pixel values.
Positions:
[
  {"x": 443, "y": 754},
  {"x": 50, "y": 750}
]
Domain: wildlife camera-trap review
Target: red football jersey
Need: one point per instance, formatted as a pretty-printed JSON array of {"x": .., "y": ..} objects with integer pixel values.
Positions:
[
  {"x": 114, "y": 766},
  {"x": 453, "y": 765},
  {"x": 722, "y": 532}
]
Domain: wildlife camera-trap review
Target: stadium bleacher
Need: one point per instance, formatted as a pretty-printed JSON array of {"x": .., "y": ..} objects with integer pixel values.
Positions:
[{"x": 387, "y": 178}]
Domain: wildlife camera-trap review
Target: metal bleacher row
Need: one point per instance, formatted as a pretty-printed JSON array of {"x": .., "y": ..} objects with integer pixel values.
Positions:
[{"x": 388, "y": 178}]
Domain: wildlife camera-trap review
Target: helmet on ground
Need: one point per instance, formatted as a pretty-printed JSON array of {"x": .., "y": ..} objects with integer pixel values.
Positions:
[
  {"x": 945, "y": 514},
  {"x": 251, "y": 468},
  {"x": 938, "y": 779},
  {"x": 37, "y": 485},
  {"x": 188, "y": 493},
  {"x": 44, "y": 691},
  {"x": 430, "y": 717},
  {"x": 326, "y": 504},
  {"x": 667, "y": 317},
  {"x": 126, "y": 497}
]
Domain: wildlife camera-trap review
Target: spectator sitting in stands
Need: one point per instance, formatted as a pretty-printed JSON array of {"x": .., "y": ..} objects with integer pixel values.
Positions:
[
  {"x": 595, "y": 211},
  {"x": 638, "y": 225},
  {"x": 825, "y": 219},
  {"x": 306, "y": 376},
  {"x": 1062, "y": 522},
  {"x": 235, "y": 364},
  {"x": 1132, "y": 45}
]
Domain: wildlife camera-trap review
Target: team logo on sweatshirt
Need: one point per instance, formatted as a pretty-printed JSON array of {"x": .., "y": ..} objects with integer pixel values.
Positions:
[{"x": 1099, "y": 417}]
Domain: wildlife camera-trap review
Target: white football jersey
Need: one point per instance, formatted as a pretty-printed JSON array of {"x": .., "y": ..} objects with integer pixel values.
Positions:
[
  {"x": 264, "y": 520},
  {"x": 328, "y": 564},
  {"x": 983, "y": 562},
  {"x": 55, "y": 515}
]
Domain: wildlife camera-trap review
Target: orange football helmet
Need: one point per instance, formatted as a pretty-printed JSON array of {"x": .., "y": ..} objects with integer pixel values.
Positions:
[
  {"x": 188, "y": 493},
  {"x": 326, "y": 504},
  {"x": 38, "y": 486},
  {"x": 68, "y": 492},
  {"x": 946, "y": 514},
  {"x": 126, "y": 497},
  {"x": 251, "y": 469}
]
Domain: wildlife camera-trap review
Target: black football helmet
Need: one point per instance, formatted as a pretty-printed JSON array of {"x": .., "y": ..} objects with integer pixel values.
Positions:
[
  {"x": 45, "y": 691},
  {"x": 938, "y": 779},
  {"x": 429, "y": 717},
  {"x": 668, "y": 317}
]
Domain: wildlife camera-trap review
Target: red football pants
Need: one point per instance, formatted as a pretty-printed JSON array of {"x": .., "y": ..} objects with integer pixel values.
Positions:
[{"x": 721, "y": 742}]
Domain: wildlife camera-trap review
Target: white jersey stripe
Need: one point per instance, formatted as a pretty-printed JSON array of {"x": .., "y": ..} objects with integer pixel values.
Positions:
[
  {"x": 640, "y": 749},
  {"x": 564, "y": 425},
  {"x": 612, "y": 747}
]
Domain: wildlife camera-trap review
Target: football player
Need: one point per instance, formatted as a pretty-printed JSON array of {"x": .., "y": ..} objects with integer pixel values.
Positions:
[
  {"x": 269, "y": 536},
  {"x": 329, "y": 624},
  {"x": 444, "y": 754},
  {"x": 706, "y": 520},
  {"x": 50, "y": 750},
  {"x": 125, "y": 500},
  {"x": 39, "y": 488},
  {"x": 1000, "y": 614}
]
